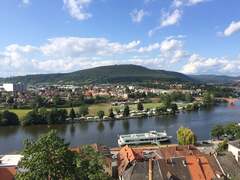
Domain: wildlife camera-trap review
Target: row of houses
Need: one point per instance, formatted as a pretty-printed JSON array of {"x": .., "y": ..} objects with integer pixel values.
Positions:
[
  {"x": 178, "y": 163},
  {"x": 173, "y": 162}
]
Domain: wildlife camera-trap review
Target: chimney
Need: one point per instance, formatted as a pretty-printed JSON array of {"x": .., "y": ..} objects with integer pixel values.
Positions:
[{"x": 150, "y": 169}]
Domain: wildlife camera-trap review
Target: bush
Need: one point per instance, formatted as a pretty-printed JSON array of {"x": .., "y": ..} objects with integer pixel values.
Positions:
[{"x": 8, "y": 118}]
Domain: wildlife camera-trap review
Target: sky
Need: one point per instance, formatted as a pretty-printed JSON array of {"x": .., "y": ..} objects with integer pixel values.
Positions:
[{"x": 188, "y": 36}]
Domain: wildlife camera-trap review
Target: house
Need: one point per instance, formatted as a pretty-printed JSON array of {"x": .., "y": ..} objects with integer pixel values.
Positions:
[
  {"x": 167, "y": 163},
  {"x": 234, "y": 148},
  {"x": 8, "y": 166}
]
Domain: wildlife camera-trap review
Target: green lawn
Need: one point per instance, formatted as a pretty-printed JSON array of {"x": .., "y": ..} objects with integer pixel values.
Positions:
[
  {"x": 93, "y": 109},
  {"x": 20, "y": 112}
]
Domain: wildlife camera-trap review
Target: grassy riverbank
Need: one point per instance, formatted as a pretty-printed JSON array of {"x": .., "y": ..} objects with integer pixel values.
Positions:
[{"x": 93, "y": 109}]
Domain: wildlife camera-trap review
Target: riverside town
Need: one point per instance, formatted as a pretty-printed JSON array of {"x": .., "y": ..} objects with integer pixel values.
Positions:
[{"x": 120, "y": 90}]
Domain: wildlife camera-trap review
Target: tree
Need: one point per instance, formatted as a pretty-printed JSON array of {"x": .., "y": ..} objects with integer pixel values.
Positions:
[
  {"x": 8, "y": 118},
  {"x": 37, "y": 102},
  {"x": 189, "y": 98},
  {"x": 140, "y": 106},
  {"x": 166, "y": 100},
  {"x": 217, "y": 131},
  {"x": 222, "y": 146},
  {"x": 89, "y": 165},
  {"x": 174, "y": 108},
  {"x": 83, "y": 110},
  {"x": 33, "y": 117},
  {"x": 100, "y": 114},
  {"x": 231, "y": 129},
  {"x": 186, "y": 136},
  {"x": 47, "y": 158},
  {"x": 111, "y": 114},
  {"x": 126, "y": 111},
  {"x": 160, "y": 110},
  {"x": 208, "y": 99},
  {"x": 72, "y": 114}
]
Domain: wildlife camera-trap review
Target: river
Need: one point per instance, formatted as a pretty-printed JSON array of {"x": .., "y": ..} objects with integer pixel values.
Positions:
[{"x": 201, "y": 122}]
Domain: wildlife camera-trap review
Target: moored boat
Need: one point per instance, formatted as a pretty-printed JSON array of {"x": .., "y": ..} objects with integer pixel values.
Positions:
[{"x": 151, "y": 137}]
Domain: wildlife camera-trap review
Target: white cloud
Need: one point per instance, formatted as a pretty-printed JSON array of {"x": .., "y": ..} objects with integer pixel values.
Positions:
[
  {"x": 232, "y": 28},
  {"x": 77, "y": 8},
  {"x": 75, "y": 46},
  {"x": 66, "y": 54},
  {"x": 138, "y": 15},
  {"x": 149, "y": 48},
  {"x": 172, "y": 18},
  {"x": 201, "y": 65},
  {"x": 170, "y": 48},
  {"x": 179, "y": 3},
  {"x": 167, "y": 19}
]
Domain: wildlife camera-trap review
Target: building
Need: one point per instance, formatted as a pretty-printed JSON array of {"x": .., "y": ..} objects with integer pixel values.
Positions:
[
  {"x": 8, "y": 166},
  {"x": 167, "y": 163},
  {"x": 13, "y": 87},
  {"x": 234, "y": 148}
]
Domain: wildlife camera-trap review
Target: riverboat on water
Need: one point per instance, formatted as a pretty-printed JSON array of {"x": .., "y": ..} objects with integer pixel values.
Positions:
[{"x": 151, "y": 137}]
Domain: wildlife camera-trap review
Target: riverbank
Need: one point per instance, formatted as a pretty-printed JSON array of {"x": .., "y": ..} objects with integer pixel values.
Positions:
[{"x": 201, "y": 122}]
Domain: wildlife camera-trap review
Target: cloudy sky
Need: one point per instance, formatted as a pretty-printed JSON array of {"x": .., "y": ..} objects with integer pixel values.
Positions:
[{"x": 189, "y": 36}]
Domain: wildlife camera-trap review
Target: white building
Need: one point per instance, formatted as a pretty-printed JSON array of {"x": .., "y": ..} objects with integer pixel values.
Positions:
[
  {"x": 10, "y": 160},
  {"x": 234, "y": 148},
  {"x": 13, "y": 87}
]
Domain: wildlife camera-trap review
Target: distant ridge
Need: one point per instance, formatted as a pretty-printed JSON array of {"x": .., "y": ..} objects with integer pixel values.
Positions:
[
  {"x": 105, "y": 74},
  {"x": 216, "y": 79}
]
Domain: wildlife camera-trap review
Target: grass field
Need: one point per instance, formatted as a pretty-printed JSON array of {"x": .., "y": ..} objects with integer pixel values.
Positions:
[
  {"x": 93, "y": 109},
  {"x": 20, "y": 112}
]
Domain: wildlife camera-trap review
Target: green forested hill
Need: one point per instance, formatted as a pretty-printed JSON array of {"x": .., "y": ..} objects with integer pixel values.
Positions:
[{"x": 104, "y": 74}]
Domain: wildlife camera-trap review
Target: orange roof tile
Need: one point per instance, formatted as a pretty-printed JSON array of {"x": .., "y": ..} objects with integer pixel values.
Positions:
[
  {"x": 7, "y": 173},
  {"x": 199, "y": 168}
]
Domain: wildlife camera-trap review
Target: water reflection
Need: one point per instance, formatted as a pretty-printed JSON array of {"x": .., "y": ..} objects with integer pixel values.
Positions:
[
  {"x": 72, "y": 130},
  {"x": 111, "y": 124},
  {"x": 100, "y": 126},
  {"x": 83, "y": 126},
  {"x": 7, "y": 131},
  {"x": 140, "y": 123},
  {"x": 126, "y": 125}
]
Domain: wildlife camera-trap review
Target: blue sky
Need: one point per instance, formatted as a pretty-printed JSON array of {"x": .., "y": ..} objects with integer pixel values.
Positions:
[{"x": 189, "y": 36}]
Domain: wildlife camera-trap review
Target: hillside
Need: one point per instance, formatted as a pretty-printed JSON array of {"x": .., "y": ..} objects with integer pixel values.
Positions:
[
  {"x": 104, "y": 74},
  {"x": 216, "y": 79}
]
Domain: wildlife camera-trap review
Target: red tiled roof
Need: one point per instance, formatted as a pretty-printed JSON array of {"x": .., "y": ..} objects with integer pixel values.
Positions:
[
  {"x": 199, "y": 168},
  {"x": 7, "y": 173}
]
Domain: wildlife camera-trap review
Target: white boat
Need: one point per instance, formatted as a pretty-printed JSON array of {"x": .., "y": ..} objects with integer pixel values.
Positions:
[{"x": 151, "y": 137}]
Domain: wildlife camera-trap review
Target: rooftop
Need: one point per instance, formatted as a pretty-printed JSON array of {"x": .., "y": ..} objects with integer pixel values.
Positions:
[
  {"x": 7, "y": 173},
  {"x": 10, "y": 160},
  {"x": 235, "y": 143}
]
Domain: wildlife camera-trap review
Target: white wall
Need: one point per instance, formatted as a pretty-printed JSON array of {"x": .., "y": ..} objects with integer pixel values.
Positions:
[
  {"x": 234, "y": 150},
  {"x": 9, "y": 87}
]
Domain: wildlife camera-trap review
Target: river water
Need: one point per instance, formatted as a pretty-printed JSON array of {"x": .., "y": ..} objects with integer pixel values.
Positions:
[{"x": 201, "y": 122}]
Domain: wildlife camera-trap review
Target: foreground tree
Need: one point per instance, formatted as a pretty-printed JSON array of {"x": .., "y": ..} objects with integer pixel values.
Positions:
[
  {"x": 186, "y": 136},
  {"x": 47, "y": 158},
  {"x": 50, "y": 158},
  {"x": 89, "y": 165},
  {"x": 217, "y": 131}
]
